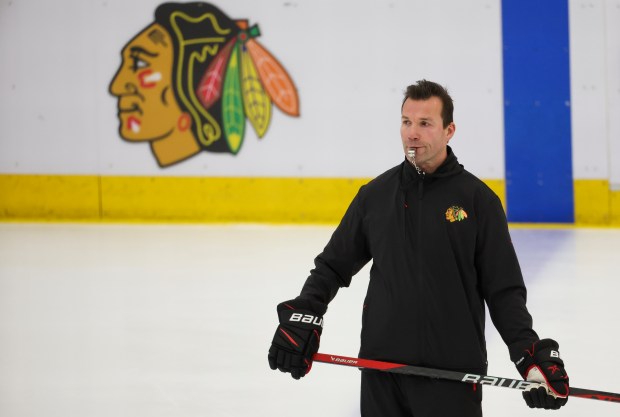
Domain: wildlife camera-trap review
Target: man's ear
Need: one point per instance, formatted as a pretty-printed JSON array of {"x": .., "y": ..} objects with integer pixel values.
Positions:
[{"x": 450, "y": 129}]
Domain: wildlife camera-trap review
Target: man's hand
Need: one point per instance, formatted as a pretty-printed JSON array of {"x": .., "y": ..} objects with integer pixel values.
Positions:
[
  {"x": 542, "y": 363},
  {"x": 297, "y": 337}
]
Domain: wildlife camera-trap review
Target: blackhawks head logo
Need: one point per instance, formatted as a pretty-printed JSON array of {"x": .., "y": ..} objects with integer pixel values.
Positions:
[
  {"x": 189, "y": 80},
  {"x": 455, "y": 214}
]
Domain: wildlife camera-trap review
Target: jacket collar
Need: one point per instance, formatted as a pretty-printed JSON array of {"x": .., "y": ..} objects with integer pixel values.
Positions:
[{"x": 448, "y": 168}]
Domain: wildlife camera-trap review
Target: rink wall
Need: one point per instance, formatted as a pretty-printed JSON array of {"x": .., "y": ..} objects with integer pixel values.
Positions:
[
  {"x": 198, "y": 199},
  {"x": 551, "y": 154},
  {"x": 272, "y": 200}
]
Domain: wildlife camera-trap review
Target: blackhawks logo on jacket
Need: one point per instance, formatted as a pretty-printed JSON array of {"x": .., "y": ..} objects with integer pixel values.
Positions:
[{"x": 455, "y": 214}]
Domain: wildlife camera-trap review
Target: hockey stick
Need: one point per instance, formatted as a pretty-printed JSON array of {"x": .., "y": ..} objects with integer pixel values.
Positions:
[{"x": 457, "y": 376}]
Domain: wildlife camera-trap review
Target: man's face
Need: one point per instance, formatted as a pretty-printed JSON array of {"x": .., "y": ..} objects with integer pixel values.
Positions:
[
  {"x": 147, "y": 108},
  {"x": 422, "y": 129}
]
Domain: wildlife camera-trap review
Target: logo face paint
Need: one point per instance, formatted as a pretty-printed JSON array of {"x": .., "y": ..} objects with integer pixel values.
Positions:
[
  {"x": 189, "y": 81},
  {"x": 455, "y": 214},
  {"x": 133, "y": 124},
  {"x": 149, "y": 79}
]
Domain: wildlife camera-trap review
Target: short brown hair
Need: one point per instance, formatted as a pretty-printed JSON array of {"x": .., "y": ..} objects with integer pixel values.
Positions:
[{"x": 423, "y": 90}]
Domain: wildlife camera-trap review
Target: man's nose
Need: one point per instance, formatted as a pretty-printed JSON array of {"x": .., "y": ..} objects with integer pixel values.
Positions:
[
  {"x": 412, "y": 132},
  {"x": 121, "y": 85}
]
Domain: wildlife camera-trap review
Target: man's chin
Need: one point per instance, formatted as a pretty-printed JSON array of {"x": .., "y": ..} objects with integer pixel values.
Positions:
[
  {"x": 134, "y": 138},
  {"x": 131, "y": 136}
]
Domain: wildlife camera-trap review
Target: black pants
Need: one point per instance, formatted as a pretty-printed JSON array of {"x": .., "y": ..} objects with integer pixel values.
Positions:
[{"x": 393, "y": 395}]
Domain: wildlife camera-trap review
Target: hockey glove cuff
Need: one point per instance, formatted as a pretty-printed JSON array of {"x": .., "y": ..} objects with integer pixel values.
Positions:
[
  {"x": 297, "y": 337},
  {"x": 542, "y": 363}
]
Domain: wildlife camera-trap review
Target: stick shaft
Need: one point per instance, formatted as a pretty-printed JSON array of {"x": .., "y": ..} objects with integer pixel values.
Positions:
[{"x": 456, "y": 376}]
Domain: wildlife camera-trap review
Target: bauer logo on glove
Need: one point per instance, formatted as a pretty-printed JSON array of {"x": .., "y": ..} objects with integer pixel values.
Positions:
[
  {"x": 306, "y": 318},
  {"x": 297, "y": 337},
  {"x": 542, "y": 363}
]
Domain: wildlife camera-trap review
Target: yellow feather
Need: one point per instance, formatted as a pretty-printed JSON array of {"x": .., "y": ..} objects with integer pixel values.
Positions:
[{"x": 256, "y": 102}]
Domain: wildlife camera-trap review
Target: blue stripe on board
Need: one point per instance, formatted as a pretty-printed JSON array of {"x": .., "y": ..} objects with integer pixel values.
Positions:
[{"x": 539, "y": 179}]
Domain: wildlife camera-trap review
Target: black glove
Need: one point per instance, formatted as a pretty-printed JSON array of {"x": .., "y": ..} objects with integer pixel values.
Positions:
[
  {"x": 297, "y": 337},
  {"x": 543, "y": 364}
]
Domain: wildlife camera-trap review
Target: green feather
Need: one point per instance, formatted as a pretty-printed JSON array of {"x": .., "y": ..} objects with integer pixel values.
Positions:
[{"x": 232, "y": 104}]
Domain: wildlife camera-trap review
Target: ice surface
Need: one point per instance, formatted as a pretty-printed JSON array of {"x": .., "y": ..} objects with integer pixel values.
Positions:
[{"x": 176, "y": 320}]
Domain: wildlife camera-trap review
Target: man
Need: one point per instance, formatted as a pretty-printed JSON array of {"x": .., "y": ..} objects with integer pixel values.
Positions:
[{"x": 440, "y": 246}]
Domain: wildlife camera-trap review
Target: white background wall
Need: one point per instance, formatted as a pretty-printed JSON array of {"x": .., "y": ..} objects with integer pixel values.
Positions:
[
  {"x": 350, "y": 61},
  {"x": 595, "y": 88}
]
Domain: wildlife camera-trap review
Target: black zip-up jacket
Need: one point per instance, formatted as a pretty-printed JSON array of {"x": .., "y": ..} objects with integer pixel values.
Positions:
[{"x": 440, "y": 248}]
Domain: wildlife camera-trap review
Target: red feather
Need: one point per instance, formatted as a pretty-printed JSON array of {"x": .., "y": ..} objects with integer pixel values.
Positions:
[{"x": 210, "y": 88}]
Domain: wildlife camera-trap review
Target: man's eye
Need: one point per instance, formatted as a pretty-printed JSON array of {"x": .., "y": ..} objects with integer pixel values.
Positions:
[{"x": 138, "y": 63}]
